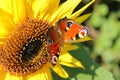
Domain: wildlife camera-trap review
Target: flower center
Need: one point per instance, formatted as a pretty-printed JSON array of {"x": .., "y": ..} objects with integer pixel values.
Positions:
[
  {"x": 31, "y": 49},
  {"x": 26, "y": 50}
]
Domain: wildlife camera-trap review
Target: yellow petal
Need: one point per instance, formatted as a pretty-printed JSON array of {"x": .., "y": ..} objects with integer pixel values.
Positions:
[
  {"x": 69, "y": 47},
  {"x": 60, "y": 71},
  {"x": 11, "y": 77},
  {"x": 82, "y": 18},
  {"x": 3, "y": 36},
  {"x": 6, "y": 21},
  {"x": 3, "y": 32},
  {"x": 52, "y": 5},
  {"x": 67, "y": 60},
  {"x": 19, "y": 11},
  {"x": 37, "y": 5},
  {"x": 25, "y": 78},
  {"x": 42, "y": 74},
  {"x": 6, "y": 5},
  {"x": 86, "y": 38},
  {"x": 40, "y": 7},
  {"x": 2, "y": 39},
  {"x": 64, "y": 10},
  {"x": 74, "y": 15},
  {"x": 51, "y": 9},
  {"x": 2, "y": 74},
  {"x": 28, "y": 8}
]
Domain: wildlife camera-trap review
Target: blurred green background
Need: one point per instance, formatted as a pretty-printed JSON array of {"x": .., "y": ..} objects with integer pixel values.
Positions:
[
  {"x": 101, "y": 57},
  {"x": 105, "y": 23}
]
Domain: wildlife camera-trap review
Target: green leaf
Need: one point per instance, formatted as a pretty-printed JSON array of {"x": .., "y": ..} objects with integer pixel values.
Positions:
[{"x": 82, "y": 18}]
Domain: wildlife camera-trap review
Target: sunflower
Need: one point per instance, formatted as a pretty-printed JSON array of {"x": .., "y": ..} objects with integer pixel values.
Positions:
[{"x": 24, "y": 23}]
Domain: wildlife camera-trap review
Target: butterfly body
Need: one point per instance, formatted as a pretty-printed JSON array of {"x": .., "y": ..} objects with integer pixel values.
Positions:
[{"x": 65, "y": 30}]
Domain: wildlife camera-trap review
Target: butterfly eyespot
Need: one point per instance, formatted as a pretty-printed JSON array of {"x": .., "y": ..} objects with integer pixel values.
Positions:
[
  {"x": 54, "y": 60},
  {"x": 84, "y": 32},
  {"x": 69, "y": 24}
]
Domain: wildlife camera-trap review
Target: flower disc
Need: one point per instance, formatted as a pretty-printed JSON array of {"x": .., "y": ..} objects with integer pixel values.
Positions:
[{"x": 26, "y": 50}]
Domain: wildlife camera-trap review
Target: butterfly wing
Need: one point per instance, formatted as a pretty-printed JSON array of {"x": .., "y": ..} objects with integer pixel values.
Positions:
[{"x": 71, "y": 30}]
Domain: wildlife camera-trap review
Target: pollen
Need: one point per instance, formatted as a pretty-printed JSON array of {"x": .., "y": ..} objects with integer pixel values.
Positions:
[{"x": 26, "y": 50}]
